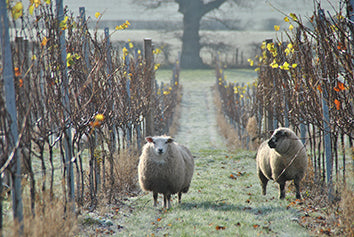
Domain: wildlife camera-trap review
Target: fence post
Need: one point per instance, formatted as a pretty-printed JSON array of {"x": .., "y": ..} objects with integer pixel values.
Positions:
[
  {"x": 271, "y": 108},
  {"x": 129, "y": 125},
  {"x": 150, "y": 130},
  {"x": 10, "y": 102},
  {"x": 85, "y": 43},
  {"x": 327, "y": 128},
  {"x": 66, "y": 104}
]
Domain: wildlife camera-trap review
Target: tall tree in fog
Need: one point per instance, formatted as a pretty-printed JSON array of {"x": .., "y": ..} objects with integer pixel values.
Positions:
[{"x": 193, "y": 11}]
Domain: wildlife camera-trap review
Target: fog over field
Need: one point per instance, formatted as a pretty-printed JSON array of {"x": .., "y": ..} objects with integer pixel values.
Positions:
[
  {"x": 248, "y": 24},
  {"x": 252, "y": 14}
]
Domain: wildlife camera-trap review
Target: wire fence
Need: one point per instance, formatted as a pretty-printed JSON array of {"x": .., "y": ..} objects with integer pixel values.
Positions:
[
  {"x": 73, "y": 90},
  {"x": 306, "y": 83}
]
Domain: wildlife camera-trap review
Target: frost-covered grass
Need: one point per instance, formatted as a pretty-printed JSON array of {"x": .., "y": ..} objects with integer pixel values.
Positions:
[
  {"x": 224, "y": 200},
  {"x": 225, "y": 195}
]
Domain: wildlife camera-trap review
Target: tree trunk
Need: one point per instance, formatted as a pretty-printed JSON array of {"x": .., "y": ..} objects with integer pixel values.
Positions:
[
  {"x": 190, "y": 57},
  {"x": 193, "y": 11}
]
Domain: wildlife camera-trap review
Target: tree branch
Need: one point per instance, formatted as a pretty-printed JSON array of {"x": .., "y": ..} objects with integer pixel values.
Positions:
[{"x": 212, "y": 5}]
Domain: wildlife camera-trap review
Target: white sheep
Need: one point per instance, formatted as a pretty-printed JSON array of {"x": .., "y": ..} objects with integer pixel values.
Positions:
[
  {"x": 165, "y": 167},
  {"x": 282, "y": 158}
]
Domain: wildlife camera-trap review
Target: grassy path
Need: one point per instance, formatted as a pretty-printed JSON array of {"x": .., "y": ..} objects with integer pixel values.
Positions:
[{"x": 225, "y": 195}]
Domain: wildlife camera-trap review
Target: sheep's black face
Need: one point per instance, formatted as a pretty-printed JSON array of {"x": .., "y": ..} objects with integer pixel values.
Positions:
[{"x": 276, "y": 138}]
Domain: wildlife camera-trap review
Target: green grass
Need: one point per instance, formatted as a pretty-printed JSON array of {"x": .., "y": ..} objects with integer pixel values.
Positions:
[
  {"x": 225, "y": 195},
  {"x": 216, "y": 204}
]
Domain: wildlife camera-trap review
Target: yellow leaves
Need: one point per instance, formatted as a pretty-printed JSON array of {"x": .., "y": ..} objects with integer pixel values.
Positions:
[
  {"x": 63, "y": 25},
  {"x": 35, "y": 4},
  {"x": 168, "y": 91},
  {"x": 293, "y": 16},
  {"x": 156, "y": 51},
  {"x": 31, "y": 9},
  {"x": 289, "y": 49},
  {"x": 263, "y": 46},
  {"x": 156, "y": 66},
  {"x": 44, "y": 41},
  {"x": 274, "y": 64},
  {"x": 276, "y": 28},
  {"x": 272, "y": 49},
  {"x": 70, "y": 58},
  {"x": 17, "y": 10},
  {"x": 285, "y": 66},
  {"x": 123, "y": 26},
  {"x": 97, "y": 15},
  {"x": 125, "y": 52},
  {"x": 99, "y": 117}
]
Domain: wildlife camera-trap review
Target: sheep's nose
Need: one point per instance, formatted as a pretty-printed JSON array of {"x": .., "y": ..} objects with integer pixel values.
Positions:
[{"x": 272, "y": 143}]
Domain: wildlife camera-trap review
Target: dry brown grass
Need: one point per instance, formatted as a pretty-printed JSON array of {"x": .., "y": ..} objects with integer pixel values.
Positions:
[
  {"x": 225, "y": 128},
  {"x": 252, "y": 130},
  {"x": 347, "y": 215},
  {"x": 126, "y": 171},
  {"x": 50, "y": 219},
  {"x": 177, "y": 114},
  {"x": 322, "y": 216}
]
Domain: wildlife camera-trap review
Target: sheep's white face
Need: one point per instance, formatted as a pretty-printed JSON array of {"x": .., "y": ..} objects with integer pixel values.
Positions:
[{"x": 160, "y": 144}]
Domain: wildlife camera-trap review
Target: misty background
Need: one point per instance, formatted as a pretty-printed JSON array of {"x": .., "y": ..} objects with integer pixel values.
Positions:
[{"x": 234, "y": 32}]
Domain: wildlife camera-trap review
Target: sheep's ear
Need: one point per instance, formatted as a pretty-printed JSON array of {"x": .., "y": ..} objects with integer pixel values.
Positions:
[
  {"x": 170, "y": 140},
  {"x": 149, "y": 139}
]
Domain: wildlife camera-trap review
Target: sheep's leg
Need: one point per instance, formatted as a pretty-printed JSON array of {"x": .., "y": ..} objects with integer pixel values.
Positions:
[
  {"x": 297, "y": 188},
  {"x": 282, "y": 190},
  {"x": 264, "y": 182},
  {"x": 164, "y": 200},
  {"x": 155, "y": 198},
  {"x": 167, "y": 200},
  {"x": 179, "y": 197}
]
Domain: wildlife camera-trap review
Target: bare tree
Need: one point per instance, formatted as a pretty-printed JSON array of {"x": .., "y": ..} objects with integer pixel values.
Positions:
[{"x": 193, "y": 11}]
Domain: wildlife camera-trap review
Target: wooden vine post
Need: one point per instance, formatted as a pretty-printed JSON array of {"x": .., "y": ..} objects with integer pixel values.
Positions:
[
  {"x": 10, "y": 102},
  {"x": 150, "y": 130}
]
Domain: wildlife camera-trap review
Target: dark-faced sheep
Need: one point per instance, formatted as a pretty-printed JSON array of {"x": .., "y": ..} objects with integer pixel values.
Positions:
[
  {"x": 282, "y": 158},
  {"x": 165, "y": 167}
]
